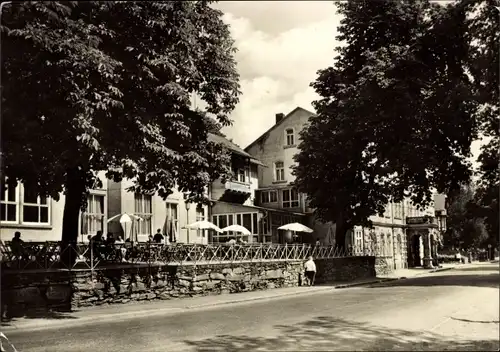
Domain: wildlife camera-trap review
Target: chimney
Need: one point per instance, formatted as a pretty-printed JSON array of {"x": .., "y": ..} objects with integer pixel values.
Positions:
[{"x": 279, "y": 117}]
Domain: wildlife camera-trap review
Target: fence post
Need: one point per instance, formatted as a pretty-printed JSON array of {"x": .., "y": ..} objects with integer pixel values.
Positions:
[
  {"x": 91, "y": 262},
  {"x": 149, "y": 263}
]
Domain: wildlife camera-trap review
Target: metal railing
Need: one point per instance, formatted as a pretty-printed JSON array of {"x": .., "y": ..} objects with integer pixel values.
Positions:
[{"x": 51, "y": 255}]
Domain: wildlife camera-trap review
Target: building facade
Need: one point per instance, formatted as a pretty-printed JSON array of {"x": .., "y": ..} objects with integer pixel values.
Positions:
[
  {"x": 170, "y": 216},
  {"x": 235, "y": 201},
  {"x": 392, "y": 235},
  {"x": 40, "y": 219}
]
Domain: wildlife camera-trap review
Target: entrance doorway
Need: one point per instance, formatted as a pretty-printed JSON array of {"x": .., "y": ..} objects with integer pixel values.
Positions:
[{"x": 414, "y": 255}]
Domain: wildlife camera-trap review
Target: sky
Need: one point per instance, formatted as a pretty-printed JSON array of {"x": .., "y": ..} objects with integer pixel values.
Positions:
[{"x": 281, "y": 46}]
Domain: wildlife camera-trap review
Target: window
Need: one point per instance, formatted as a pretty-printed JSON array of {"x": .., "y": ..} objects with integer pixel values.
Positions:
[
  {"x": 387, "y": 211},
  {"x": 398, "y": 210},
  {"x": 35, "y": 208},
  {"x": 358, "y": 241},
  {"x": 398, "y": 244},
  {"x": 269, "y": 197},
  {"x": 242, "y": 174},
  {"x": 22, "y": 205},
  {"x": 410, "y": 209},
  {"x": 389, "y": 245},
  {"x": 143, "y": 209},
  {"x": 381, "y": 244},
  {"x": 279, "y": 170},
  {"x": 290, "y": 137},
  {"x": 9, "y": 203},
  {"x": 247, "y": 220},
  {"x": 222, "y": 220},
  {"x": 200, "y": 216},
  {"x": 92, "y": 219},
  {"x": 290, "y": 198}
]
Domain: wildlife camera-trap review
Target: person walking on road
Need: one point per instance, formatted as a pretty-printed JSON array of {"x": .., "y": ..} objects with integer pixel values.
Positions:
[{"x": 310, "y": 271}]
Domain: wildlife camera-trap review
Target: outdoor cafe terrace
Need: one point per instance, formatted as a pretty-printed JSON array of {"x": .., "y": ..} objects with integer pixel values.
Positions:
[{"x": 49, "y": 255}]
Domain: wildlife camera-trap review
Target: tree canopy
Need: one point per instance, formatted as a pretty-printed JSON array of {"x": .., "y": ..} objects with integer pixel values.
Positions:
[
  {"x": 91, "y": 86},
  {"x": 465, "y": 227},
  {"x": 399, "y": 108}
]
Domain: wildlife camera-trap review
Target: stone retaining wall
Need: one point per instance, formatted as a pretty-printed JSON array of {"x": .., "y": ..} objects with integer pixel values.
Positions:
[
  {"x": 345, "y": 269},
  {"x": 70, "y": 290}
]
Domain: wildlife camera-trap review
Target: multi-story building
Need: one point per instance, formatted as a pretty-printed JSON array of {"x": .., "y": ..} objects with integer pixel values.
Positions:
[
  {"x": 40, "y": 219},
  {"x": 170, "y": 216},
  {"x": 235, "y": 202},
  {"x": 276, "y": 149}
]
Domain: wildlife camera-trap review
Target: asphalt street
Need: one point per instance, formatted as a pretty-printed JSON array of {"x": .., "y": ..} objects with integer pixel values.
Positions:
[{"x": 453, "y": 310}]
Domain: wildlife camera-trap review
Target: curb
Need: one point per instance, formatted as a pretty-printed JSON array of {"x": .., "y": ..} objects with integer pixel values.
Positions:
[
  {"x": 153, "y": 311},
  {"x": 441, "y": 269},
  {"x": 378, "y": 281},
  {"x": 298, "y": 293}
]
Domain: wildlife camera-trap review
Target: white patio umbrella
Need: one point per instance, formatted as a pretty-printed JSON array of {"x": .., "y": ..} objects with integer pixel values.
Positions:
[
  {"x": 237, "y": 228},
  {"x": 125, "y": 218},
  {"x": 296, "y": 227},
  {"x": 202, "y": 225}
]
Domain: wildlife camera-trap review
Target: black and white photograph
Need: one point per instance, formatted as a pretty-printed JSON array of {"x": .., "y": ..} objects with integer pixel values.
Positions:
[{"x": 249, "y": 176}]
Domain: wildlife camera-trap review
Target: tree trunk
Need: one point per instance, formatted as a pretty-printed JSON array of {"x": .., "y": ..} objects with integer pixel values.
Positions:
[
  {"x": 340, "y": 232},
  {"x": 75, "y": 189}
]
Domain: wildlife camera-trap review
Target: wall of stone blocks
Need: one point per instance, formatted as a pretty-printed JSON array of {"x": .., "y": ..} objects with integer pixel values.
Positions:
[{"x": 74, "y": 289}]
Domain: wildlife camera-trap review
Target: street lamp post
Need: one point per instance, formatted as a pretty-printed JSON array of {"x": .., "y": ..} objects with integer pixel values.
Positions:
[{"x": 188, "y": 206}]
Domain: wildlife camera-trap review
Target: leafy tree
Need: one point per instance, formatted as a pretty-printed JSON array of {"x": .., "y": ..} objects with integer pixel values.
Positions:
[
  {"x": 213, "y": 126},
  {"x": 396, "y": 114},
  {"x": 488, "y": 208},
  {"x": 466, "y": 227},
  {"x": 90, "y": 86},
  {"x": 484, "y": 39}
]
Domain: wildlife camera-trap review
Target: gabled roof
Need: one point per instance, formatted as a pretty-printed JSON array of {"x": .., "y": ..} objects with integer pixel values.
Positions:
[
  {"x": 232, "y": 147},
  {"x": 277, "y": 124}
]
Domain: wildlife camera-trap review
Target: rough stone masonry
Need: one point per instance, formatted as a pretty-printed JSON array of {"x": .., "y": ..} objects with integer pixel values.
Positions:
[{"x": 22, "y": 291}]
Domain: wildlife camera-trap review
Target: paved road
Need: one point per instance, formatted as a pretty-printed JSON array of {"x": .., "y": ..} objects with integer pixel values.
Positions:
[{"x": 452, "y": 310}]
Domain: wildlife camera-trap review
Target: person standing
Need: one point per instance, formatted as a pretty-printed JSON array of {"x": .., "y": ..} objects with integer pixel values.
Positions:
[
  {"x": 158, "y": 237},
  {"x": 310, "y": 271},
  {"x": 16, "y": 245}
]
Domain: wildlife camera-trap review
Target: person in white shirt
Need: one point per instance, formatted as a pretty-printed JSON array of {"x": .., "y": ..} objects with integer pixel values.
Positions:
[
  {"x": 123, "y": 251},
  {"x": 310, "y": 271}
]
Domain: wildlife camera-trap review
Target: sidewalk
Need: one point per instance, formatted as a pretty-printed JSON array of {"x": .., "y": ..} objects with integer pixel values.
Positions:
[{"x": 413, "y": 272}]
